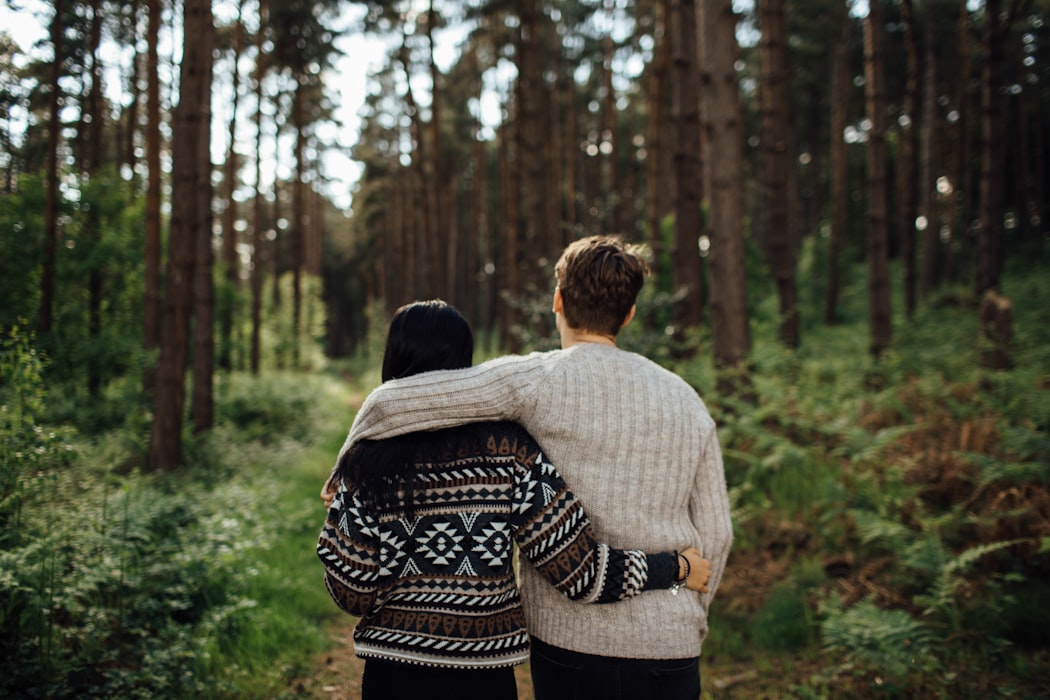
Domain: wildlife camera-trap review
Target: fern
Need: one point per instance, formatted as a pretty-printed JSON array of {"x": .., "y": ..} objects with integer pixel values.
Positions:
[
  {"x": 941, "y": 599},
  {"x": 993, "y": 469},
  {"x": 873, "y": 528},
  {"x": 890, "y": 640}
]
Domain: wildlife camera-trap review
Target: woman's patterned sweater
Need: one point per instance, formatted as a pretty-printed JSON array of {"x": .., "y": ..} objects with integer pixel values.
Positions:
[{"x": 438, "y": 588}]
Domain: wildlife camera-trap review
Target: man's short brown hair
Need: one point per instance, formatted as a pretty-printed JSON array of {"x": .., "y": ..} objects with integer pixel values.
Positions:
[{"x": 599, "y": 278}]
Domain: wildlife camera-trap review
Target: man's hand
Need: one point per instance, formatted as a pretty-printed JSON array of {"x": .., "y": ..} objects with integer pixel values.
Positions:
[{"x": 699, "y": 569}]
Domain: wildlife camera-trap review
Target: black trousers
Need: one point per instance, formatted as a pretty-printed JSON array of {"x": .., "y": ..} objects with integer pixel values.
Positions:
[
  {"x": 560, "y": 674},
  {"x": 389, "y": 680}
]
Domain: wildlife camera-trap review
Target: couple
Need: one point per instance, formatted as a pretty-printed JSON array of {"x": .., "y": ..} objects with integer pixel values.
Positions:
[{"x": 431, "y": 492}]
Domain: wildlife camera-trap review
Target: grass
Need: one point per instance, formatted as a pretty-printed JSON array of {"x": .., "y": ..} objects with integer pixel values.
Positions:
[{"x": 293, "y": 617}]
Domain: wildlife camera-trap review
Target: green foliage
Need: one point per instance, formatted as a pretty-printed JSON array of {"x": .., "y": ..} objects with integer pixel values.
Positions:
[
  {"x": 919, "y": 481},
  {"x": 785, "y": 622},
  {"x": 264, "y": 412},
  {"x": 28, "y": 449},
  {"x": 130, "y": 585},
  {"x": 891, "y": 641},
  {"x": 101, "y": 237},
  {"x": 21, "y": 239}
]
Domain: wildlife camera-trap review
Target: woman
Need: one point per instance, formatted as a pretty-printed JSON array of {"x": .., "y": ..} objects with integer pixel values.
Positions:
[{"x": 419, "y": 539}]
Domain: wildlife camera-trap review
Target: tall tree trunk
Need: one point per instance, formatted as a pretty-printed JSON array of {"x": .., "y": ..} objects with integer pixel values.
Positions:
[
  {"x": 314, "y": 259},
  {"x": 960, "y": 203},
  {"x": 230, "y": 264},
  {"x": 931, "y": 235},
  {"x": 656, "y": 88},
  {"x": 612, "y": 189},
  {"x": 429, "y": 252},
  {"x": 907, "y": 186},
  {"x": 477, "y": 263},
  {"x": 131, "y": 115},
  {"x": 47, "y": 276},
  {"x": 190, "y": 127},
  {"x": 555, "y": 157},
  {"x": 530, "y": 111},
  {"x": 92, "y": 220},
  {"x": 685, "y": 109},
  {"x": 723, "y": 149},
  {"x": 202, "y": 407},
  {"x": 879, "y": 309},
  {"x": 436, "y": 178},
  {"x": 151, "y": 323},
  {"x": 258, "y": 208},
  {"x": 572, "y": 161},
  {"x": 277, "y": 243},
  {"x": 777, "y": 165},
  {"x": 299, "y": 216},
  {"x": 993, "y": 145},
  {"x": 839, "y": 165},
  {"x": 511, "y": 208}
]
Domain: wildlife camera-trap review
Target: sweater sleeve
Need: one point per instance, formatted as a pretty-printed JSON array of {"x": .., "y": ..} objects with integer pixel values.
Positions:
[
  {"x": 499, "y": 389},
  {"x": 349, "y": 547},
  {"x": 710, "y": 511},
  {"x": 554, "y": 534}
]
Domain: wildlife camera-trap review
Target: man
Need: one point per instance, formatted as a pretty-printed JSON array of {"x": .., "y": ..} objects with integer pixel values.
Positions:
[{"x": 633, "y": 441}]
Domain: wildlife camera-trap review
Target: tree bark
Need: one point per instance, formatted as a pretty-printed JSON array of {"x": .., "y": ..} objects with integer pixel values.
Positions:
[
  {"x": 429, "y": 255},
  {"x": 722, "y": 146},
  {"x": 993, "y": 148},
  {"x": 230, "y": 263},
  {"x": 47, "y": 276},
  {"x": 907, "y": 185},
  {"x": 152, "y": 301},
  {"x": 612, "y": 188},
  {"x": 839, "y": 165},
  {"x": 688, "y": 178},
  {"x": 92, "y": 219},
  {"x": 202, "y": 408},
  {"x": 190, "y": 127},
  {"x": 436, "y": 179},
  {"x": 930, "y": 257},
  {"x": 131, "y": 115},
  {"x": 300, "y": 218},
  {"x": 879, "y": 309},
  {"x": 777, "y": 165},
  {"x": 511, "y": 208},
  {"x": 656, "y": 88},
  {"x": 530, "y": 114},
  {"x": 258, "y": 209}
]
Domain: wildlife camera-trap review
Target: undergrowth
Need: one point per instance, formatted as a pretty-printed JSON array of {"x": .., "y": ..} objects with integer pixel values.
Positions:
[
  {"x": 914, "y": 492},
  {"x": 892, "y": 520},
  {"x": 115, "y": 583}
]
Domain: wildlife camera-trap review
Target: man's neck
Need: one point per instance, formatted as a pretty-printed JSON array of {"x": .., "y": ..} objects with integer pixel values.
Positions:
[{"x": 574, "y": 336}]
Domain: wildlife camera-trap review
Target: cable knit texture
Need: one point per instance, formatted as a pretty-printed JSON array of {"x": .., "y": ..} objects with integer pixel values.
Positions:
[{"x": 637, "y": 446}]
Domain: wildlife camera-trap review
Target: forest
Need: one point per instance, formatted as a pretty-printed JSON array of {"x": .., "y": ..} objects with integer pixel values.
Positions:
[{"x": 845, "y": 204}]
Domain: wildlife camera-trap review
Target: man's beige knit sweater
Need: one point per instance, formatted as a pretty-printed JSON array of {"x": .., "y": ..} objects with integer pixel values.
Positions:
[{"x": 633, "y": 441}]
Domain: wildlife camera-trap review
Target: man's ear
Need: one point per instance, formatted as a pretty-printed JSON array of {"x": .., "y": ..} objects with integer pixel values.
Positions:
[
  {"x": 629, "y": 316},
  {"x": 558, "y": 304}
]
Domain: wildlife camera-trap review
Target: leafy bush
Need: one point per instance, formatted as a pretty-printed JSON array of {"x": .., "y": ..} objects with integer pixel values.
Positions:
[{"x": 128, "y": 585}]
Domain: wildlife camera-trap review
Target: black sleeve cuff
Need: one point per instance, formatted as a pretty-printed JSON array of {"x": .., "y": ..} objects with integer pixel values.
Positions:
[{"x": 662, "y": 571}]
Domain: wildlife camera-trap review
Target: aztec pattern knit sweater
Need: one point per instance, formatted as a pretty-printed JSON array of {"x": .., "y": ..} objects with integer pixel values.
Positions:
[
  {"x": 638, "y": 447},
  {"x": 438, "y": 588}
]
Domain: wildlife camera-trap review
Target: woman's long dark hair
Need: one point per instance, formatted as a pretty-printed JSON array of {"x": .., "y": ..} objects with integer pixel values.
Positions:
[{"x": 423, "y": 336}]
